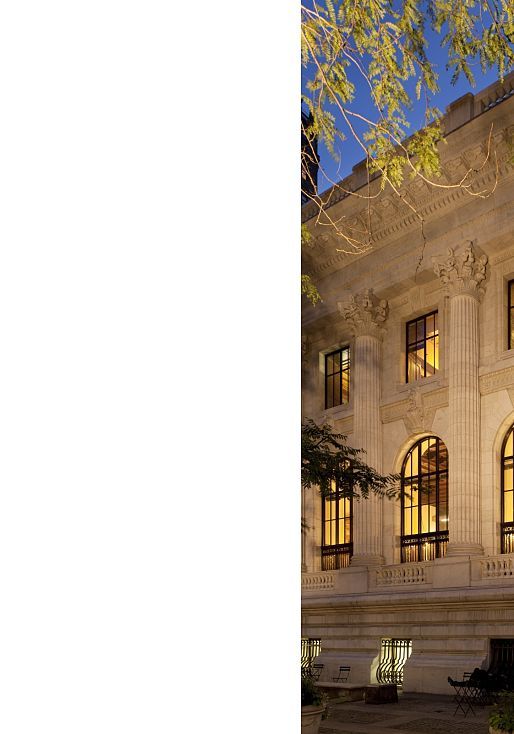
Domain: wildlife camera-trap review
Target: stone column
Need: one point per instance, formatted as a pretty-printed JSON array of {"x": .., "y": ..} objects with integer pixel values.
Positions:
[
  {"x": 462, "y": 277},
  {"x": 365, "y": 314}
]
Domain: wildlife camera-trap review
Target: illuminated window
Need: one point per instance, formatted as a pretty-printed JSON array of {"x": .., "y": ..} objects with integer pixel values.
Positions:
[
  {"x": 337, "y": 377},
  {"x": 511, "y": 314},
  {"x": 422, "y": 347},
  {"x": 425, "y": 501},
  {"x": 336, "y": 548},
  {"x": 508, "y": 493}
]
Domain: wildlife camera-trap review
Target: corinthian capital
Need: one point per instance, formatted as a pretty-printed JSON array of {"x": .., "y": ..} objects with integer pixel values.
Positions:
[
  {"x": 462, "y": 273},
  {"x": 365, "y": 313}
]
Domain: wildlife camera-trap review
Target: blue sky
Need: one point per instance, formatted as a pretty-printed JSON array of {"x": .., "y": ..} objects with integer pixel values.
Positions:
[{"x": 350, "y": 151}]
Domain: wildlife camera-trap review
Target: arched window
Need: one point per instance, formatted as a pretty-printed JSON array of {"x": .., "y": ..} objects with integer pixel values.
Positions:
[
  {"x": 425, "y": 501},
  {"x": 508, "y": 493},
  {"x": 336, "y": 524}
]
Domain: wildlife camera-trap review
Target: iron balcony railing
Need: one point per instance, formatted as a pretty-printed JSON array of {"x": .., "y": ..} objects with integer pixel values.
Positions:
[
  {"x": 336, "y": 556},
  {"x": 424, "y": 547}
]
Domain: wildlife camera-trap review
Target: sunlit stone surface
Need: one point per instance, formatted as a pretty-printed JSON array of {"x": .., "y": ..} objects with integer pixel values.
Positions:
[{"x": 414, "y": 376}]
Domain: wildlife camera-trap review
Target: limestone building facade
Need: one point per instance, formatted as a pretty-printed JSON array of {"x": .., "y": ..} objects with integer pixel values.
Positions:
[{"x": 411, "y": 355}]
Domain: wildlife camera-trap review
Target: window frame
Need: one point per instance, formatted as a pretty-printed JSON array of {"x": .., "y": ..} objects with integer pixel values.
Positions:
[
  {"x": 433, "y": 543},
  {"x": 340, "y": 371},
  {"x": 510, "y": 309},
  {"x": 336, "y": 555},
  {"x": 435, "y": 338},
  {"x": 506, "y": 528}
]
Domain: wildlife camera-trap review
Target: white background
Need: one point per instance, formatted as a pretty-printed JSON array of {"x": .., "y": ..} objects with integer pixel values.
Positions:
[{"x": 149, "y": 367}]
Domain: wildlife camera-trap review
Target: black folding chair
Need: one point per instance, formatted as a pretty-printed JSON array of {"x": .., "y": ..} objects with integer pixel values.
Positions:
[
  {"x": 481, "y": 684},
  {"x": 344, "y": 673}
]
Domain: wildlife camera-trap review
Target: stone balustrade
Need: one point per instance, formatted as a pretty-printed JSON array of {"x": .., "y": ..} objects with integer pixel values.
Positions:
[
  {"x": 439, "y": 574},
  {"x": 322, "y": 581},
  {"x": 496, "y": 567},
  {"x": 363, "y": 579},
  {"x": 403, "y": 574}
]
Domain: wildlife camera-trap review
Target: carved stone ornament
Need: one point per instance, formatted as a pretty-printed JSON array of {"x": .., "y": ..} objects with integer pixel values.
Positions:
[
  {"x": 463, "y": 273},
  {"x": 365, "y": 313},
  {"x": 418, "y": 418},
  {"x": 494, "y": 381}
]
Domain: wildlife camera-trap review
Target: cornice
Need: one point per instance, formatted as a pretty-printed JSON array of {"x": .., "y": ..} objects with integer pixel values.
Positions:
[
  {"x": 503, "y": 256},
  {"x": 392, "y": 217}
]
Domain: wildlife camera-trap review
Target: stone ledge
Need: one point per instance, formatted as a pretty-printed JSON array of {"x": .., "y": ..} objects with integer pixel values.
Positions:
[{"x": 344, "y": 691}]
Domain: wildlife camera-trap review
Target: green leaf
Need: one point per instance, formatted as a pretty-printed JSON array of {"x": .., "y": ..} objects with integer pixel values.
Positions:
[{"x": 327, "y": 460}]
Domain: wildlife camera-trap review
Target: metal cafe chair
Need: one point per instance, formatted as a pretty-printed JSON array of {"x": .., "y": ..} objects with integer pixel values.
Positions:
[{"x": 343, "y": 675}]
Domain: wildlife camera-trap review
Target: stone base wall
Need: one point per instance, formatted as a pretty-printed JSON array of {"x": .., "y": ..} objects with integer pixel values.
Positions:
[{"x": 450, "y": 633}]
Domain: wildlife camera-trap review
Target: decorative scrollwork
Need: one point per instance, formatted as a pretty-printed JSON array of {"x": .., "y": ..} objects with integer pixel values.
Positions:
[{"x": 394, "y": 654}]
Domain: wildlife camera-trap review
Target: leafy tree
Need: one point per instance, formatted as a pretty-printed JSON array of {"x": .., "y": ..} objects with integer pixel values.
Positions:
[
  {"x": 377, "y": 51},
  {"x": 326, "y": 458}
]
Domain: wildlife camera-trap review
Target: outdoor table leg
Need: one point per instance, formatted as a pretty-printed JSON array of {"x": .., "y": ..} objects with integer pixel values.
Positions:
[{"x": 464, "y": 695}]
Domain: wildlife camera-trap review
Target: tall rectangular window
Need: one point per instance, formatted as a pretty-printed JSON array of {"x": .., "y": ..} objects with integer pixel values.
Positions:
[
  {"x": 511, "y": 314},
  {"x": 337, "y": 377},
  {"x": 422, "y": 347},
  {"x": 336, "y": 523}
]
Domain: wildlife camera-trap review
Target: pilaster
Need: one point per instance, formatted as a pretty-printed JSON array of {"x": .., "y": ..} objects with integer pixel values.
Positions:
[
  {"x": 463, "y": 277},
  {"x": 366, "y": 315}
]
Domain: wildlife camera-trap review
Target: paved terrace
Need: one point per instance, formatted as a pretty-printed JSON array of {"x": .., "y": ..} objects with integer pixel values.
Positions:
[{"x": 415, "y": 713}]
